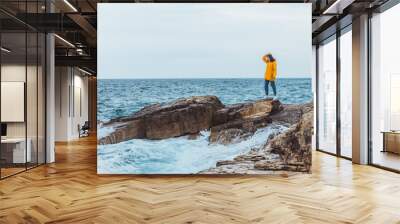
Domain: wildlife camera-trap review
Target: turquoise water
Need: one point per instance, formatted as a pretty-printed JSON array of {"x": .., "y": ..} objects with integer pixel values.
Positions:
[
  {"x": 121, "y": 97},
  {"x": 181, "y": 155},
  {"x": 174, "y": 155}
]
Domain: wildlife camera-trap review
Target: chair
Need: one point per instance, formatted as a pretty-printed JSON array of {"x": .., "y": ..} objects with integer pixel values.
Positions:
[{"x": 84, "y": 130}]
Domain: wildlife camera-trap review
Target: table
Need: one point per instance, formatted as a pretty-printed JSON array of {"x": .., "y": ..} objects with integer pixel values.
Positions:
[
  {"x": 13, "y": 150},
  {"x": 391, "y": 141}
]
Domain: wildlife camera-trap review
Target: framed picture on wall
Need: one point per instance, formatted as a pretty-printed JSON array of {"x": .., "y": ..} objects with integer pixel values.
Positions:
[{"x": 204, "y": 88}]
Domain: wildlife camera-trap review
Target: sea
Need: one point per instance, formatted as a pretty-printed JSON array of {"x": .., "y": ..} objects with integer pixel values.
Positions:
[{"x": 122, "y": 97}]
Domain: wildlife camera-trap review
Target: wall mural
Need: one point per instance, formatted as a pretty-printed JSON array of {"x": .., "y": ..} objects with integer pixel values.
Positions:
[{"x": 204, "y": 88}]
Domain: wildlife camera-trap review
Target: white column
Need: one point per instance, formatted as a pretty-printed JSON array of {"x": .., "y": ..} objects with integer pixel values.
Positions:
[
  {"x": 360, "y": 90},
  {"x": 50, "y": 99}
]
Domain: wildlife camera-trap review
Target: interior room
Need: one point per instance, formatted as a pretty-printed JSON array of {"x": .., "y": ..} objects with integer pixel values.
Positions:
[
  {"x": 71, "y": 100},
  {"x": 22, "y": 101},
  {"x": 24, "y": 91},
  {"x": 49, "y": 85}
]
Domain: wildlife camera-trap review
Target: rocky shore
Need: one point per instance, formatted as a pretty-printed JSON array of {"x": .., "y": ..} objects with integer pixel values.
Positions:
[
  {"x": 287, "y": 151},
  {"x": 228, "y": 124}
]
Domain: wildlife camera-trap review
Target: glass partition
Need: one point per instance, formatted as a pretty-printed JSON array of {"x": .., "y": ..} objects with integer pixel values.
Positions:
[
  {"x": 14, "y": 155},
  {"x": 22, "y": 77},
  {"x": 346, "y": 94},
  {"x": 31, "y": 97},
  {"x": 41, "y": 109},
  {"x": 327, "y": 96},
  {"x": 33, "y": 56}
]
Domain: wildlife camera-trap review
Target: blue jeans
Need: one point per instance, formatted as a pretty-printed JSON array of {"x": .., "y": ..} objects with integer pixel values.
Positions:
[{"x": 267, "y": 82}]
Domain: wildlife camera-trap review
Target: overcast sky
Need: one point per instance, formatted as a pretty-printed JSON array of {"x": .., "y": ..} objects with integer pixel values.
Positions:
[{"x": 202, "y": 40}]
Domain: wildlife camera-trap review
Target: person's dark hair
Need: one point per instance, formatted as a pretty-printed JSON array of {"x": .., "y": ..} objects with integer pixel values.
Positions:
[{"x": 270, "y": 57}]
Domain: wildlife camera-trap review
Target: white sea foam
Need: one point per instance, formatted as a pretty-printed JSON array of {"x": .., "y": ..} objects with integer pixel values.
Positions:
[
  {"x": 173, "y": 156},
  {"x": 103, "y": 131}
]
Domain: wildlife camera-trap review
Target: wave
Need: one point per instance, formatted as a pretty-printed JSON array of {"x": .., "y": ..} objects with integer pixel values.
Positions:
[
  {"x": 103, "y": 131},
  {"x": 175, "y": 155}
]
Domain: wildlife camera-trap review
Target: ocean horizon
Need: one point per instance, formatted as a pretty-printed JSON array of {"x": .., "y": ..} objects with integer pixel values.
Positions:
[
  {"x": 258, "y": 77},
  {"x": 122, "y": 97}
]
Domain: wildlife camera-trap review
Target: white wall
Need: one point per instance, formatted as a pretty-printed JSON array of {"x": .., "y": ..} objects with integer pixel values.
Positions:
[
  {"x": 16, "y": 72},
  {"x": 71, "y": 102},
  {"x": 33, "y": 126},
  {"x": 79, "y": 110},
  {"x": 62, "y": 82}
]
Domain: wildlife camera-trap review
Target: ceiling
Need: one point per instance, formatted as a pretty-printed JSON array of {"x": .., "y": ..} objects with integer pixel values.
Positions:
[{"x": 75, "y": 21}]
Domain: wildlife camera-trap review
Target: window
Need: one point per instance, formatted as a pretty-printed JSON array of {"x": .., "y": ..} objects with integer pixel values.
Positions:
[
  {"x": 327, "y": 97},
  {"x": 346, "y": 94},
  {"x": 385, "y": 89}
]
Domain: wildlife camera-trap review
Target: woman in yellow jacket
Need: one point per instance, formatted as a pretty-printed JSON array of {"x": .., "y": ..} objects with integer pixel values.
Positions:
[{"x": 270, "y": 72}]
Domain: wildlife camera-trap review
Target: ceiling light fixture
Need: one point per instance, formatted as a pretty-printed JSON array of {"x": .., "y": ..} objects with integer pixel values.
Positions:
[
  {"x": 5, "y": 50},
  {"x": 70, "y": 5},
  {"x": 79, "y": 51},
  {"x": 84, "y": 71},
  {"x": 337, "y": 7},
  {"x": 64, "y": 40}
]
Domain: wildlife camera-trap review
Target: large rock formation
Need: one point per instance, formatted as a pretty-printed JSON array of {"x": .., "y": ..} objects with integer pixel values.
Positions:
[
  {"x": 292, "y": 113},
  {"x": 287, "y": 151},
  {"x": 246, "y": 110},
  {"x": 160, "y": 121},
  {"x": 237, "y": 122},
  {"x": 292, "y": 146},
  {"x": 191, "y": 115}
]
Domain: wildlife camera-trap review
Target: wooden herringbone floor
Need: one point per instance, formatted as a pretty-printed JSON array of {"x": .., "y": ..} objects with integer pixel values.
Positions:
[{"x": 70, "y": 191}]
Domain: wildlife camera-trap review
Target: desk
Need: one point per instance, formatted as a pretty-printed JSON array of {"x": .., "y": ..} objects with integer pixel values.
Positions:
[
  {"x": 13, "y": 150},
  {"x": 391, "y": 141}
]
